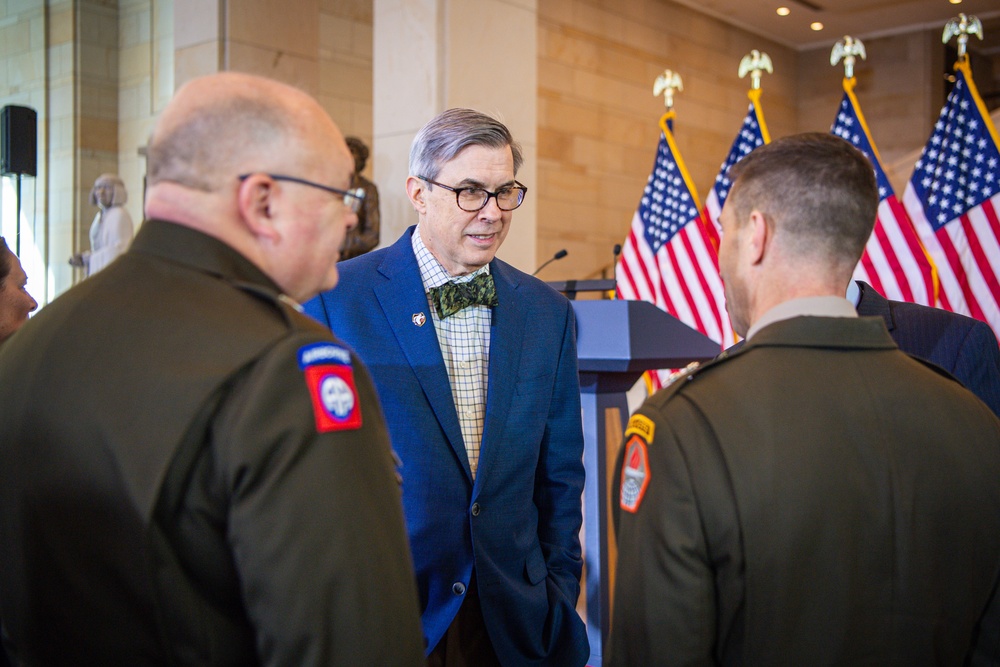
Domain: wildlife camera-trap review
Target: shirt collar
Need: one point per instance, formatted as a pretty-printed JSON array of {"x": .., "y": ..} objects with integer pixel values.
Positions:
[
  {"x": 431, "y": 272},
  {"x": 853, "y": 293},
  {"x": 815, "y": 306}
]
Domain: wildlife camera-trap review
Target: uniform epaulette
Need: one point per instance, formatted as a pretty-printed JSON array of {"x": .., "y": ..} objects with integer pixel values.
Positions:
[{"x": 677, "y": 380}]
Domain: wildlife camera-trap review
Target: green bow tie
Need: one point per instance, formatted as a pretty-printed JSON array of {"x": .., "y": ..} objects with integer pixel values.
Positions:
[{"x": 453, "y": 297}]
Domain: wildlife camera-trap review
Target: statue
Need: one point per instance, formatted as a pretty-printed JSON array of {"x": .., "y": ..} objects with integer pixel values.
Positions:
[
  {"x": 112, "y": 229},
  {"x": 364, "y": 236}
]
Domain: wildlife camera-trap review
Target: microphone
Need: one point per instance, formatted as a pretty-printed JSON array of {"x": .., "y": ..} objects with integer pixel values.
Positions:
[{"x": 559, "y": 255}]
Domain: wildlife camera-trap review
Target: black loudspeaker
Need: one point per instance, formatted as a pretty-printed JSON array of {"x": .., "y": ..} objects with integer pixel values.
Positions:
[{"x": 18, "y": 141}]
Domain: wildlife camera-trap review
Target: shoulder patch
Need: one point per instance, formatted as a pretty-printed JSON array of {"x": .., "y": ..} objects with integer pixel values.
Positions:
[
  {"x": 329, "y": 376},
  {"x": 635, "y": 474},
  {"x": 641, "y": 425}
]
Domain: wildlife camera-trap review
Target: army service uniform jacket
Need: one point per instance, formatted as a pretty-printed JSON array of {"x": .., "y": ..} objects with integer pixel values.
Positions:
[
  {"x": 818, "y": 498},
  {"x": 181, "y": 482}
]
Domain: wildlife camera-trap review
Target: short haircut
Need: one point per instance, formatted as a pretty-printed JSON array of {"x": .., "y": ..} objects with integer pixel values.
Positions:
[
  {"x": 448, "y": 133},
  {"x": 119, "y": 195},
  {"x": 5, "y": 264},
  {"x": 221, "y": 136},
  {"x": 815, "y": 186}
]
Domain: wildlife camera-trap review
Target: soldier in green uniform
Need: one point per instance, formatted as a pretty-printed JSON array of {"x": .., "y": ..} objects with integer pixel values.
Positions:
[
  {"x": 818, "y": 497},
  {"x": 192, "y": 471}
]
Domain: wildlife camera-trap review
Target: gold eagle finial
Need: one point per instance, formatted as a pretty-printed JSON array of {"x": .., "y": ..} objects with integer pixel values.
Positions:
[
  {"x": 666, "y": 84},
  {"x": 755, "y": 63},
  {"x": 849, "y": 49},
  {"x": 963, "y": 26}
]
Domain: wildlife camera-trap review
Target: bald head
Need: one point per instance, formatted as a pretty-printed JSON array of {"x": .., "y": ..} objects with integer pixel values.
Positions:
[
  {"x": 220, "y": 158},
  {"x": 219, "y": 126}
]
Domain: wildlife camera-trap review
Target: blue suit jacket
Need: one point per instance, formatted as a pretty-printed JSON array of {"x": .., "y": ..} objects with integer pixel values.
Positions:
[
  {"x": 519, "y": 522},
  {"x": 963, "y": 346}
]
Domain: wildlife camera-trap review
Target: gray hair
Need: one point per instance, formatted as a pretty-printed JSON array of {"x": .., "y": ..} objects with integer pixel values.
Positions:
[
  {"x": 448, "y": 133},
  {"x": 221, "y": 136},
  {"x": 119, "y": 195}
]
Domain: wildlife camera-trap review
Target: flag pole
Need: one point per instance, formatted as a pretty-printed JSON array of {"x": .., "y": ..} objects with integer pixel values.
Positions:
[
  {"x": 755, "y": 64},
  {"x": 894, "y": 261}
]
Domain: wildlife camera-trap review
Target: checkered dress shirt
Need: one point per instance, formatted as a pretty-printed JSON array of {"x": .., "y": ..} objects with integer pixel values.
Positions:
[{"x": 464, "y": 339}]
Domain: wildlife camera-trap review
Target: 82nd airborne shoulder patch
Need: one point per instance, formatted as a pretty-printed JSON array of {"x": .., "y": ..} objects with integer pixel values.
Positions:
[
  {"x": 635, "y": 474},
  {"x": 330, "y": 379}
]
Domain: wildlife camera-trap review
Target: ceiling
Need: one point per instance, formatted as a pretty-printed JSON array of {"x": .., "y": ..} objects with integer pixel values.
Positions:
[{"x": 858, "y": 18}]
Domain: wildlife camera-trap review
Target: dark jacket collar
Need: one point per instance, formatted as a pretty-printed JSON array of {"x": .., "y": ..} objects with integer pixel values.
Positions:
[
  {"x": 827, "y": 332},
  {"x": 183, "y": 245}
]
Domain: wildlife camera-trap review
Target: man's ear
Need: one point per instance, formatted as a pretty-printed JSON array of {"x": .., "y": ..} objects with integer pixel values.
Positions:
[
  {"x": 257, "y": 198},
  {"x": 416, "y": 190},
  {"x": 759, "y": 237}
]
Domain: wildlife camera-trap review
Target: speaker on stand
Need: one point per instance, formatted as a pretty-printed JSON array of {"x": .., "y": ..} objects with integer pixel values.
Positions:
[{"x": 18, "y": 150}]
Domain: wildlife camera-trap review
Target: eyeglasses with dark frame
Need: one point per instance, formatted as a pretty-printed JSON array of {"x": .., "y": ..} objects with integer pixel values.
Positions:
[
  {"x": 353, "y": 198},
  {"x": 475, "y": 199}
]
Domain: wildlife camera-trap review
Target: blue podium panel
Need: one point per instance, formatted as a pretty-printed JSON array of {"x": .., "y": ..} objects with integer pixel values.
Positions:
[
  {"x": 635, "y": 336},
  {"x": 617, "y": 341}
]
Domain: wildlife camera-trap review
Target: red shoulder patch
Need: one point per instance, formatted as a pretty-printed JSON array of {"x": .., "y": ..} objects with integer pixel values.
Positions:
[
  {"x": 330, "y": 379},
  {"x": 635, "y": 474}
]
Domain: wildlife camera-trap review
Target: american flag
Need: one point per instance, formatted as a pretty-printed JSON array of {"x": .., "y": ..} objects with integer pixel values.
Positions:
[
  {"x": 894, "y": 261},
  {"x": 668, "y": 258},
  {"x": 953, "y": 198},
  {"x": 752, "y": 134}
]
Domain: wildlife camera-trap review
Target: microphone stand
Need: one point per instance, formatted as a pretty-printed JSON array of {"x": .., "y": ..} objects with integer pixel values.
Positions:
[{"x": 559, "y": 255}]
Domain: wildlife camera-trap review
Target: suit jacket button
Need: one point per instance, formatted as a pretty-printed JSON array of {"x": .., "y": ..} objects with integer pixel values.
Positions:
[
  {"x": 475, "y": 509},
  {"x": 458, "y": 588}
]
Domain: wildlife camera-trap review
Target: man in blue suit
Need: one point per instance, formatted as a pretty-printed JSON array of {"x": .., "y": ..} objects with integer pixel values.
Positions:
[
  {"x": 963, "y": 346},
  {"x": 475, "y": 365}
]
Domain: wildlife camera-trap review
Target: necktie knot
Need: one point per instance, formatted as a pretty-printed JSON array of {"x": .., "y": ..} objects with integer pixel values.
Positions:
[{"x": 450, "y": 298}]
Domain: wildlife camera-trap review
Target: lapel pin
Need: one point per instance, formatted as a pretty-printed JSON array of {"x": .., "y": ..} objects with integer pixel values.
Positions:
[{"x": 419, "y": 319}]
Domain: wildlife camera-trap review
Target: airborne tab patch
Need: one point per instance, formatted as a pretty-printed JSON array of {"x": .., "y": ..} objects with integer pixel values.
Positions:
[
  {"x": 330, "y": 379},
  {"x": 635, "y": 474}
]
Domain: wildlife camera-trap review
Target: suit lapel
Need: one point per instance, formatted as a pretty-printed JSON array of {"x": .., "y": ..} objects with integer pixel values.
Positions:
[
  {"x": 873, "y": 304},
  {"x": 402, "y": 297},
  {"x": 507, "y": 338}
]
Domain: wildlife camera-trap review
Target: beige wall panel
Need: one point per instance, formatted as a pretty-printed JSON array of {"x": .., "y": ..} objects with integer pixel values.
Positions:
[
  {"x": 135, "y": 62},
  {"x": 598, "y": 118},
  {"x": 277, "y": 25},
  {"x": 361, "y": 124},
  {"x": 134, "y": 28},
  {"x": 14, "y": 39},
  {"x": 359, "y": 10},
  {"x": 24, "y": 69},
  {"x": 345, "y": 67},
  {"x": 347, "y": 81},
  {"x": 60, "y": 62},
  {"x": 294, "y": 70},
  {"x": 196, "y": 22},
  {"x": 335, "y": 34}
]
